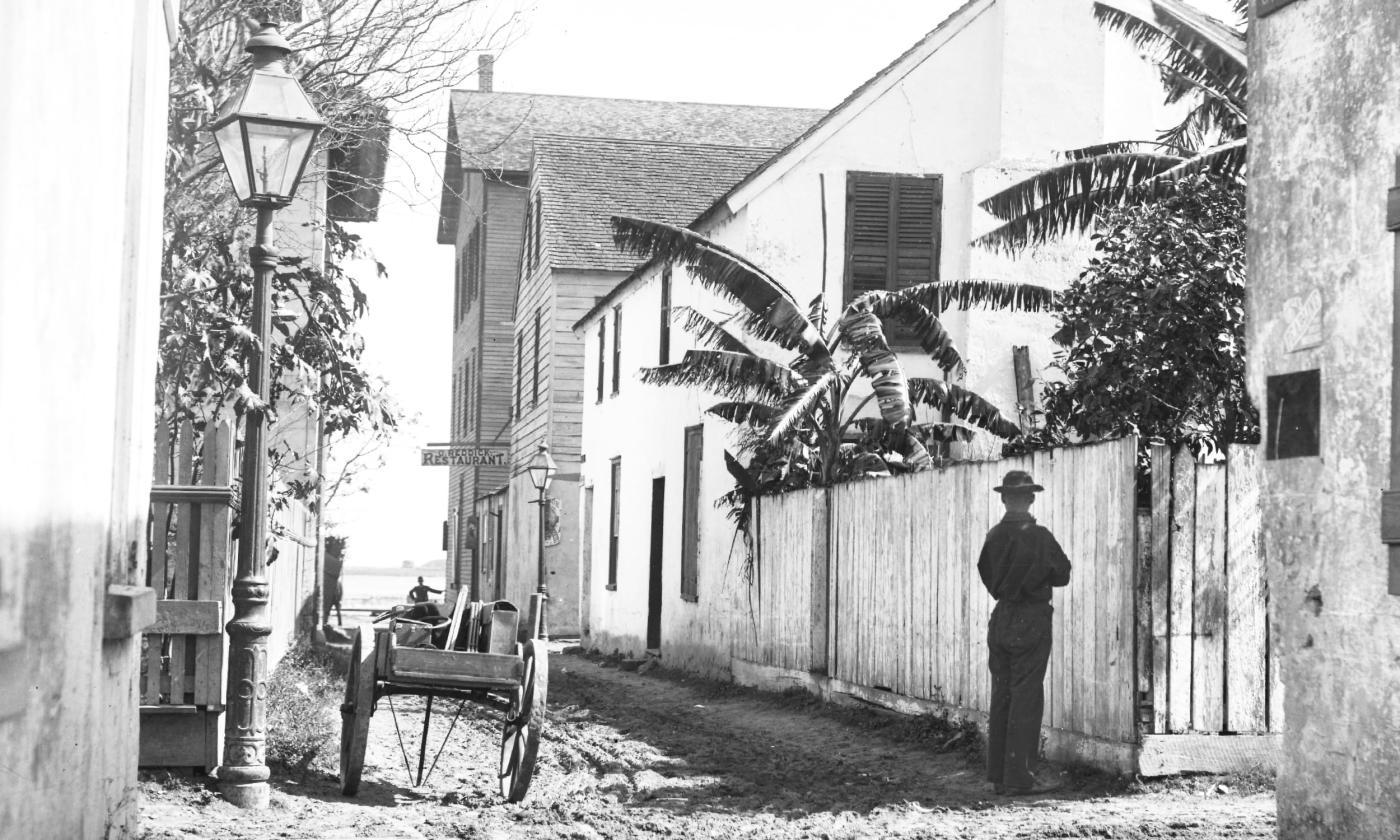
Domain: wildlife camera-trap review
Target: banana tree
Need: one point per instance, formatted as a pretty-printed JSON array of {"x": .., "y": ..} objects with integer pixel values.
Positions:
[
  {"x": 831, "y": 402},
  {"x": 1201, "y": 61}
]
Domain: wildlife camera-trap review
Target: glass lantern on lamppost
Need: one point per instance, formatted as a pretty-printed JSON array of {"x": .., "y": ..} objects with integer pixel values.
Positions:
[
  {"x": 265, "y": 133},
  {"x": 542, "y": 469}
]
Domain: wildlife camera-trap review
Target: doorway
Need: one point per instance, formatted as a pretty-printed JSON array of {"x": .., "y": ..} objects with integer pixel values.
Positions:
[{"x": 658, "y": 542}]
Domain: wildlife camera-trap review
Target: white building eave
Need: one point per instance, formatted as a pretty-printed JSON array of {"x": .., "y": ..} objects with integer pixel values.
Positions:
[{"x": 753, "y": 186}]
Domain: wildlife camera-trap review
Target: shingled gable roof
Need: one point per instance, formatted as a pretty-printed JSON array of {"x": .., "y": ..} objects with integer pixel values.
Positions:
[
  {"x": 492, "y": 132},
  {"x": 586, "y": 180}
]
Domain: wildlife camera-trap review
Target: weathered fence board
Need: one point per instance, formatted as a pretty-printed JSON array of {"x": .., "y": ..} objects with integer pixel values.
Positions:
[
  {"x": 182, "y": 677},
  {"x": 1182, "y": 615},
  {"x": 1247, "y": 625},
  {"x": 1159, "y": 602},
  {"x": 1208, "y": 602}
]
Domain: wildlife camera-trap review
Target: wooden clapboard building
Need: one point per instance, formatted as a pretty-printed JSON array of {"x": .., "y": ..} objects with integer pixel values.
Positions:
[{"x": 527, "y": 221}]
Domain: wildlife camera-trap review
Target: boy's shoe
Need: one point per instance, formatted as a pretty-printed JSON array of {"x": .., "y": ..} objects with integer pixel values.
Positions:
[{"x": 1037, "y": 787}]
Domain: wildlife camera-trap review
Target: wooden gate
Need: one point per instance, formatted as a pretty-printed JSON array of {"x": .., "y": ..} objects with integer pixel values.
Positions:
[
  {"x": 1209, "y": 669},
  {"x": 182, "y": 664}
]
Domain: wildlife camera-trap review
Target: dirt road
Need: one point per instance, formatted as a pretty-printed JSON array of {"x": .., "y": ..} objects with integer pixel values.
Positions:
[{"x": 658, "y": 755}]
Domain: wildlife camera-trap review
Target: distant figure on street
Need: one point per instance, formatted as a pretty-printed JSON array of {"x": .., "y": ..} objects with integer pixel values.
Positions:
[
  {"x": 419, "y": 593},
  {"x": 1020, "y": 562}
]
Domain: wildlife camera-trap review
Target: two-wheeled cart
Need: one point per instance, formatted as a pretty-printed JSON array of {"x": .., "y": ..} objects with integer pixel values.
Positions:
[{"x": 479, "y": 655}]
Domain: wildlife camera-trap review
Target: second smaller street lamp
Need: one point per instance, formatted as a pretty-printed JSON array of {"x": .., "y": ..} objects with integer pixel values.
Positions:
[
  {"x": 266, "y": 132},
  {"x": 542, "y": 468}
]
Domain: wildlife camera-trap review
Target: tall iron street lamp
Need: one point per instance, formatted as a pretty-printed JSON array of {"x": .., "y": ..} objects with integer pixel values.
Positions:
[
  {"x": 265, "y": 133},
  {"x": 542, "y": 469}
]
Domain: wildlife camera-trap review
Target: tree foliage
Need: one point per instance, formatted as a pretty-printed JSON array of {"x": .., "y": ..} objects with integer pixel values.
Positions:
[
  {"x": 358, "y": 59},
  {"x": 1153, "y": 330}
]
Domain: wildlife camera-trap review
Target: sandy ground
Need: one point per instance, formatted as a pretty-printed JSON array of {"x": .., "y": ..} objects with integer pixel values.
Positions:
[{"x": 658, "y": 755}]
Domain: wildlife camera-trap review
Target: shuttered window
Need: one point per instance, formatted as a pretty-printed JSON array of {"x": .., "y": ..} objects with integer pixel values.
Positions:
[
  {"x": 519, "y": 371},
  {"x": 690, "y": 514},
  {"x": 536, "y": 244},
  {"x": 893, "y": 226},
  {"x": 664, "y": 357},
  {"x": 602, "y": 354},
  {"x": 614, "y": 520},
  {"x": 535, "y": 378},
  {"x": 617, "y": 349},
  {"x": 471, "y": 265}
]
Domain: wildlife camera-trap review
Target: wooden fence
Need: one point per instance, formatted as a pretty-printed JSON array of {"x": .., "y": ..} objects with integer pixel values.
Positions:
[
  {"x": 1210, "y": 661},
  {"x": 874, "y": 584},
  {"x": 182, "y": 667}
]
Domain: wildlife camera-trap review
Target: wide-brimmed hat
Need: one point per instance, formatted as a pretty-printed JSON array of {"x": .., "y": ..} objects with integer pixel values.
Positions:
[{"x": 1018, "y": 481}]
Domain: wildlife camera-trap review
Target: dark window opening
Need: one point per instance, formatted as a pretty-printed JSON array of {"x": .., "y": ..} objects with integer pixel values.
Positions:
[
  {"x": 617, "y": 350},
  {"x": 690, "y": 513},
  {"x": 519, "y": 371},
  {"x": 535, "y": 376},
  {"x": 614, "y": 521},
  {"x": 665, "y": 355},
  {"x": 602, "y": 354}
]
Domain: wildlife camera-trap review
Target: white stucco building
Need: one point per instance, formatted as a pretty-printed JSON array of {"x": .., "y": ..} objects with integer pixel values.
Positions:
[{"x": 985, "y": 99}]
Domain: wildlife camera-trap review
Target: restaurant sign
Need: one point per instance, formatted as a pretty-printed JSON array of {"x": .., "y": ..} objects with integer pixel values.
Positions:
[{"x": 464, "y": 456}]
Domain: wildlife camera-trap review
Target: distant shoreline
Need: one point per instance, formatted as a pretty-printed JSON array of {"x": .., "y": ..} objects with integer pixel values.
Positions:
[{"x": 391, "y": 571}]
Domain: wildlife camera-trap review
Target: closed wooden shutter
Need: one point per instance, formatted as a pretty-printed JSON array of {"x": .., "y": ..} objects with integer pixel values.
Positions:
[
  {"x": 614, "y": 521},
  {"x": 690, "y": 514},
  {"x": 602, "y": 354},
  {"x": 892, "y": 231}
]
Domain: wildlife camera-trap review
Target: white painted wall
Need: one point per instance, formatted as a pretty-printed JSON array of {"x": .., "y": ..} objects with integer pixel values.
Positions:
[
  {"x": 989, "y": 100},
  {"x": 81, "y": 160}
]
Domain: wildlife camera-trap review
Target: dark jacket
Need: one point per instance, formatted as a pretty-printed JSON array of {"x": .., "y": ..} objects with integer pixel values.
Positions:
[{"x": 1021, "y": 560}]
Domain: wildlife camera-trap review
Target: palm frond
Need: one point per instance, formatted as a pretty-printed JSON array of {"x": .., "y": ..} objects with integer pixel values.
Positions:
[
  {"x": 1204, "y": 122},
  {"x": 1186, "y": 43},
  {"x": 817, "y": 312},
  {"x": 744, "y": 412},
  {"x": 980, "y": 294},
  {"x": 860, "y": 328},
  {"x": 1067, "y": 197},
  {"x": 707, "y": 331},
  {"x": 963, "y": 404},
  {"x": 742, "y": 477},
  {"x": 937, "y": 432},
  {"x": 734, "y": 376},
  {"x": 925, "y": 327},
  {"x": 725, "y": 272},
  {"x": 1227, "y": 160},
  {"x": 799, "y": 406},
  {"x": 1123, "y": 147}
]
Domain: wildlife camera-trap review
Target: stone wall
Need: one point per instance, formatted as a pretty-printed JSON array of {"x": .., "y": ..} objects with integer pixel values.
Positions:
[{"x": 1325, "y": 114}]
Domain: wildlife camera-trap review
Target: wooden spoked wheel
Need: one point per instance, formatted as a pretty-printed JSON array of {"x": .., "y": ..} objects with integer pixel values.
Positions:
[
  {"x": 520, "y": 743},
  {"x": 356, "y": 711}
]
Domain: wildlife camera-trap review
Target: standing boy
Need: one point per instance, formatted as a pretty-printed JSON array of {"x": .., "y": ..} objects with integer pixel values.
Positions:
[{"x": 1020, "y": 562}]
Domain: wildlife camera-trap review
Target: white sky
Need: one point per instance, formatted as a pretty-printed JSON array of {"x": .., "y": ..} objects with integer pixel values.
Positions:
[{"x": 803, "y": 53}]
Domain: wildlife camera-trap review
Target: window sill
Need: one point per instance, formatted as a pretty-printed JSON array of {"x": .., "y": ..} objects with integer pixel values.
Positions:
[{"x": 612, "y": 587}]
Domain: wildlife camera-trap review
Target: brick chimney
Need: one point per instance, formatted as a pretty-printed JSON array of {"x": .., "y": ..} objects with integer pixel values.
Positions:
[{"x": 484, "y": 72}]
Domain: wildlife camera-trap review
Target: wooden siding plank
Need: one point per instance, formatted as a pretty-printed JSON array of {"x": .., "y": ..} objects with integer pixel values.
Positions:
[
  {"x": 186, "y": 547},
  {"x": 1183, "y": 550},
  {"x": 1245, "y": 657}
]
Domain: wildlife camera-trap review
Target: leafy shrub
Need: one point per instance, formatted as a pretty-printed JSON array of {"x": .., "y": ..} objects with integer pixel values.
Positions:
[{"x": 303, "y": 706}]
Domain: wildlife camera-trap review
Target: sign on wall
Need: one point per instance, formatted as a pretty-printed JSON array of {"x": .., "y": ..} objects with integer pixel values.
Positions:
[{"x": 464, "y": 456}]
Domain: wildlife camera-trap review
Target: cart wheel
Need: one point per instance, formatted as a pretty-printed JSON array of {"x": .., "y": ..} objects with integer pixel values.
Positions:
[
  {"x": 355, "y": 713},
  {"x": 520, "y": 743}
]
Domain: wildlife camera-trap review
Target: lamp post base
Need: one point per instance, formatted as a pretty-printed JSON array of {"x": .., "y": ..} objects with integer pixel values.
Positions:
[{"x": 251, "y": 795}]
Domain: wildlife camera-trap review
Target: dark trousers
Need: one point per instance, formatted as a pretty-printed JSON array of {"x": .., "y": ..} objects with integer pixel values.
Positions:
[{"x": 1018, "y": 649}]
